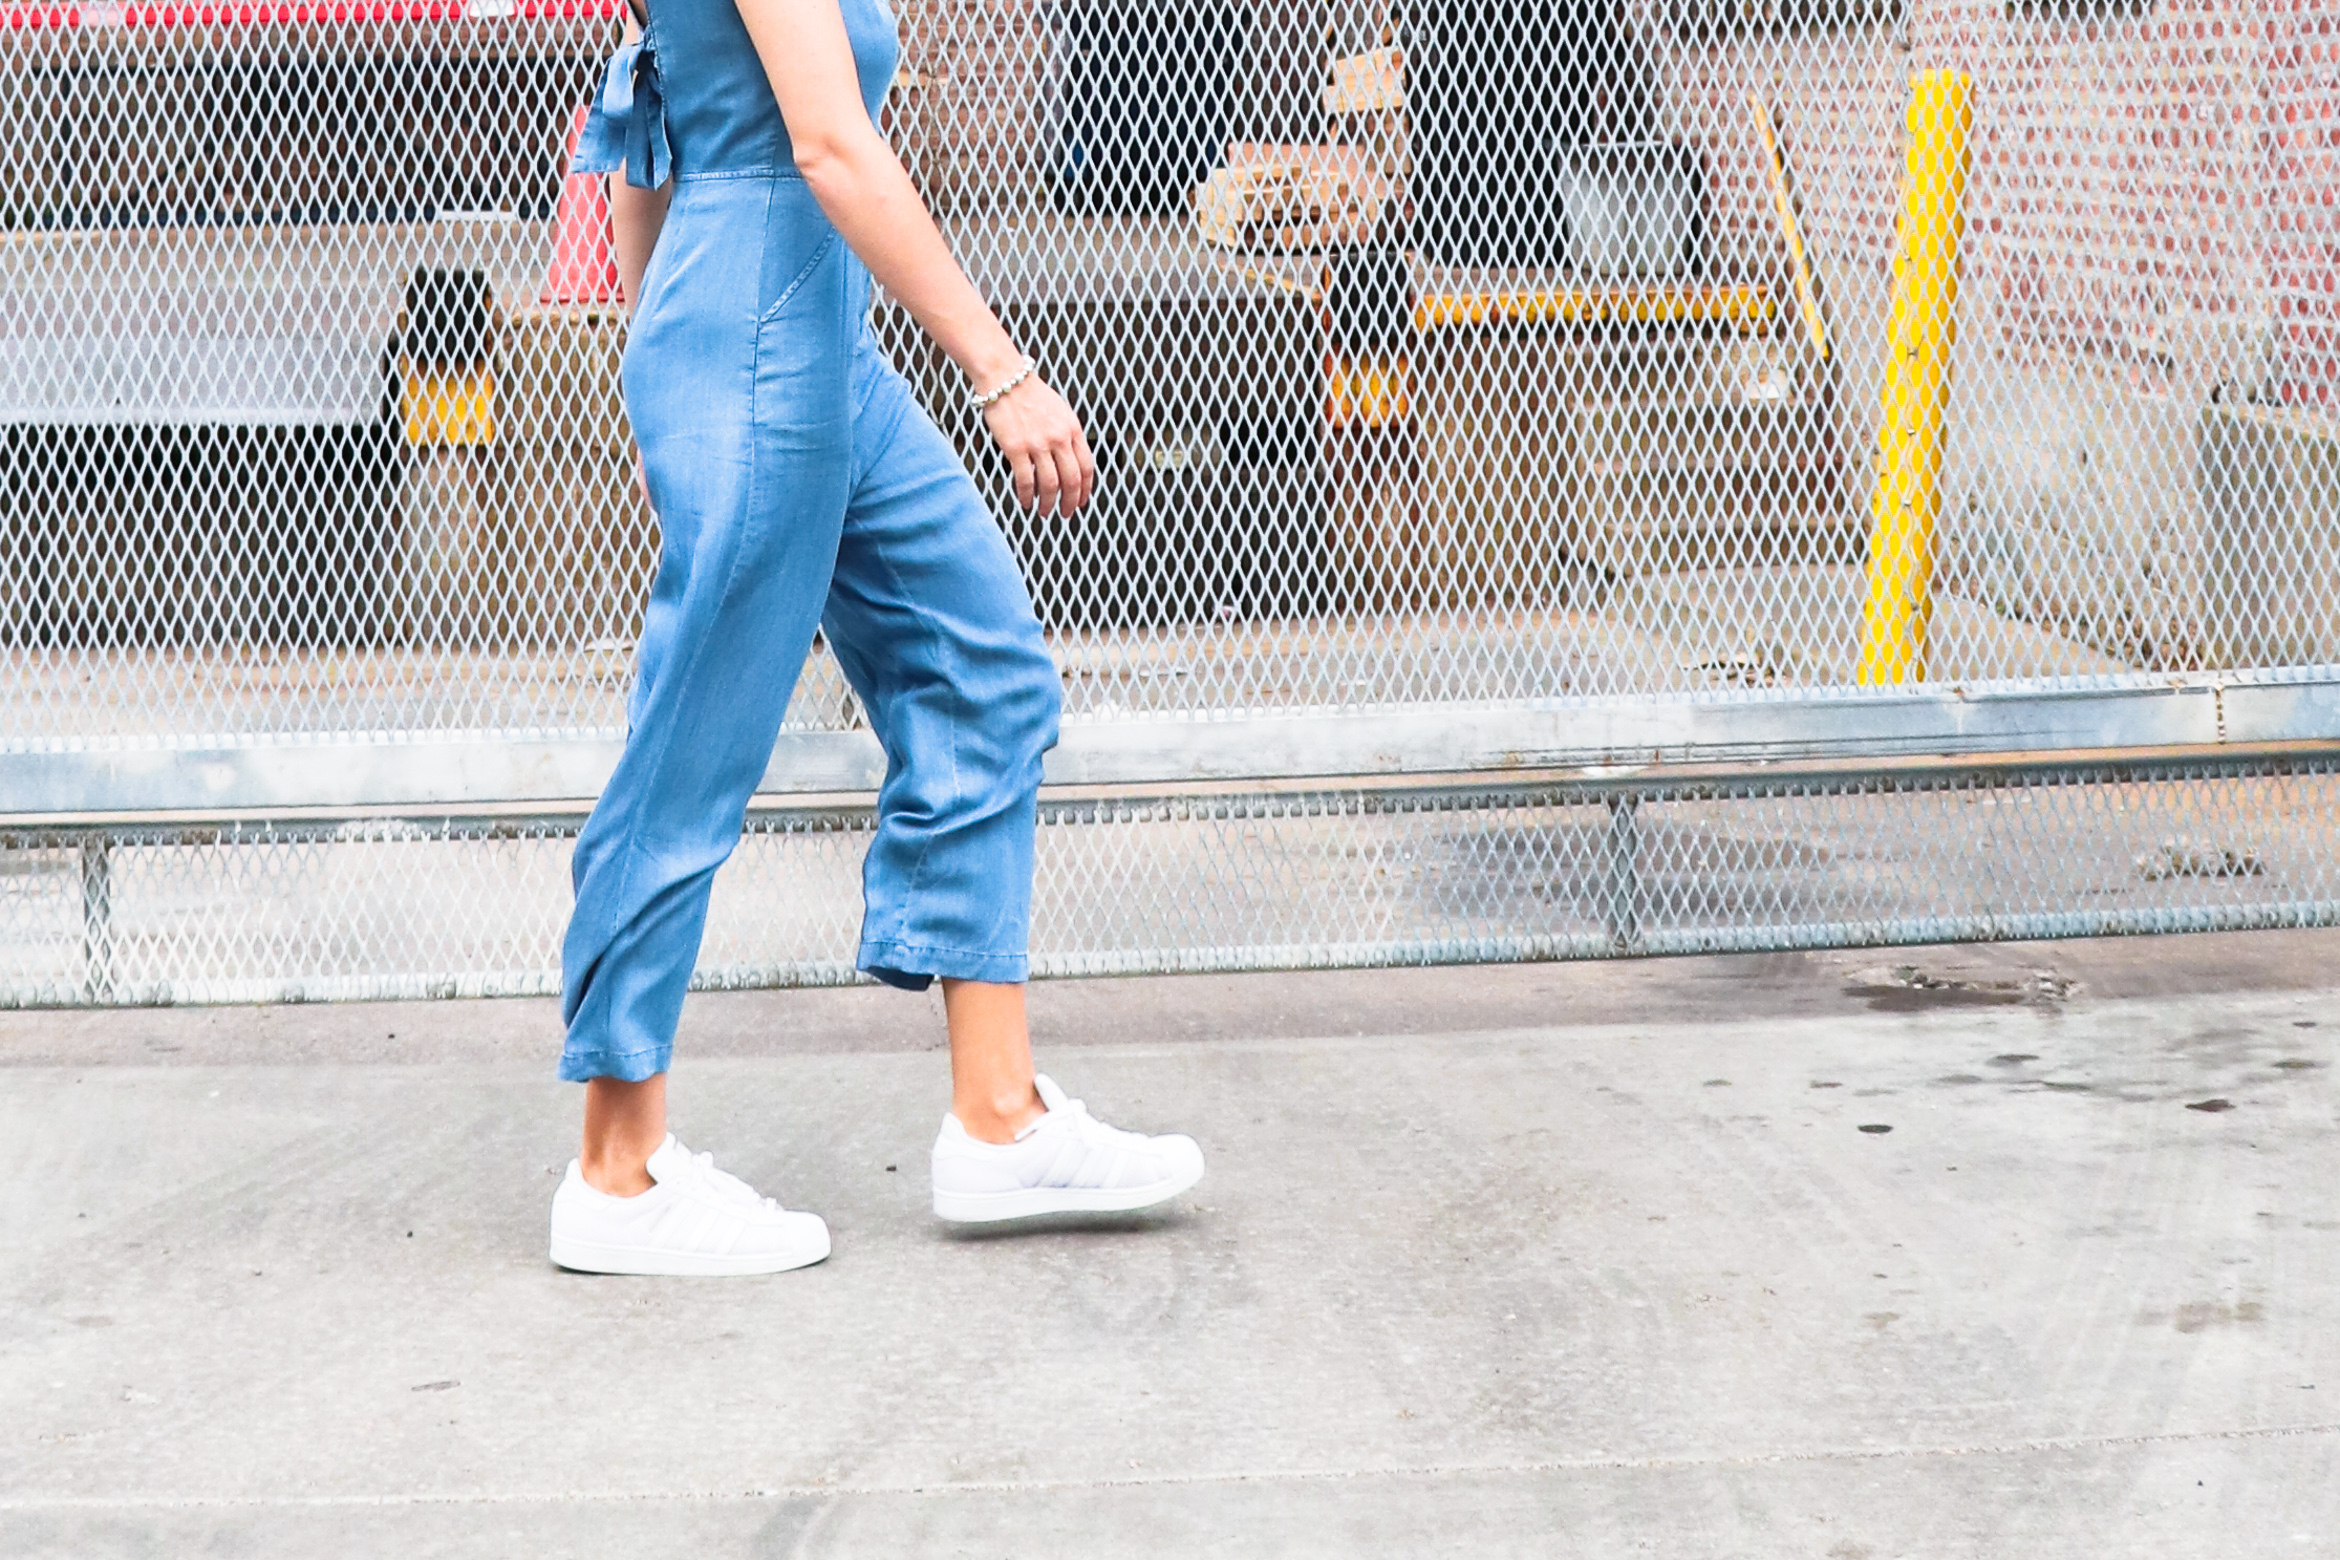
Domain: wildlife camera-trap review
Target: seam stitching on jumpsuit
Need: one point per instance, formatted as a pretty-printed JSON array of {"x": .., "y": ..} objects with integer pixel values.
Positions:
[
  {"x": 893, "y": 429},
  {"x": 633, "y": 853},
  {"x": 738, "y": 533},
  {"x": 820, "y": 253},
  {"x": 607, "y": 1054},
  {"x": 711, "y": 175},
  {"x": 628, "y": 855},
  {"x": 908, "y": 946},
  {"x": 755, "y": 465},
  {"x": 953, "y": 681}
]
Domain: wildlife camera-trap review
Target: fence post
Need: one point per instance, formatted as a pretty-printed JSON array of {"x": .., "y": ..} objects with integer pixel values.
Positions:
[
  {"x": 1624, "y": 877},
  {"x": 1921, "y": 327},
  {"x": 97, "y": 919}
]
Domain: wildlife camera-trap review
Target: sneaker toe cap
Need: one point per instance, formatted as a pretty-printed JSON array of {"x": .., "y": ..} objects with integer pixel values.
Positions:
[
  {"x": 1181, "y": 1157},
  {"x": 791, "y": 1233}
]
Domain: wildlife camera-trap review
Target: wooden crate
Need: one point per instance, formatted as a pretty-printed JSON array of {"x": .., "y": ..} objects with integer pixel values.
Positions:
[{"x": 1286, "y": 199}]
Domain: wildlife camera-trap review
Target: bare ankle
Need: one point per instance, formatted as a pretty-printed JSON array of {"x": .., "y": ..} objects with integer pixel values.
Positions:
[
  {"x": 1000, "y": 1117},
  {"x": 624, "y": 1124},
  {"x": 616, "y": 1173}
]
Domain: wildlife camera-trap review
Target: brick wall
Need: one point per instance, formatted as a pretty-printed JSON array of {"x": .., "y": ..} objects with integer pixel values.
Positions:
[
  {"x": 969, "y": 117},
  {"x": 2301, "y": 138},
  {"x": 2145, "y": 235},
  {"x": 972, "y": 115},
  {"x": 2151, "y": 222}
]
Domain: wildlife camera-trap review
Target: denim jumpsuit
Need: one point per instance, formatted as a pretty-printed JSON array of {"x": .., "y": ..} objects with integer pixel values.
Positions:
[{"x": 797, "y": 483}]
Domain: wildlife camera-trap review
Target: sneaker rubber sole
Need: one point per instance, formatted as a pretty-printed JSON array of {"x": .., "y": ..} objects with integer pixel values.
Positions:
[
  {"x": 585, "y": 1256},
  {"x": 1031, "y": 1202}
]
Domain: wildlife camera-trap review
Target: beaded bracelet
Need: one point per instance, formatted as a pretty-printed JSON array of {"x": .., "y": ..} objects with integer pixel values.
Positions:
[{"x": 985, "y": 401}]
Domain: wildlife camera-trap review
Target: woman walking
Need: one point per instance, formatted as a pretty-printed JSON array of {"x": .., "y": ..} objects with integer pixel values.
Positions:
[{"x": 798, "y": 484}]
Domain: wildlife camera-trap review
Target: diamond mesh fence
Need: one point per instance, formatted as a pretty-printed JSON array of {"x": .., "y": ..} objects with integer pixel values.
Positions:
[
  {"x": 1476, "y": 385},
  {"x": 262, "y": 912}
]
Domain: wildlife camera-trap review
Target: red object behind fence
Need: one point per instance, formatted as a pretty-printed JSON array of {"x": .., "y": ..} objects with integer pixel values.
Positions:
[
  {"x": 583, "y": 269},
  {"x": 20, "y": 18}
]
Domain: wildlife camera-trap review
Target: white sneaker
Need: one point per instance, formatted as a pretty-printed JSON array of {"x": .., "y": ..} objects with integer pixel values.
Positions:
[
  {"x": 1065, "y": 1162},
  {"x": 696, "y": 1222}
]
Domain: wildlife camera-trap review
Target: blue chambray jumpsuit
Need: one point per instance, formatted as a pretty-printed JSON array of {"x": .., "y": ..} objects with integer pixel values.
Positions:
[{"x": 796, "y": 483}]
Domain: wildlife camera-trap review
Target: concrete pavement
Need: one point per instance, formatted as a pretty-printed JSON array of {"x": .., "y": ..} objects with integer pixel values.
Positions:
[{"x": 1559, "y": 1259}]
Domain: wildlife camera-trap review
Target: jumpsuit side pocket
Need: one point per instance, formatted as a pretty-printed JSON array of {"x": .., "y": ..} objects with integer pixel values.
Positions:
[
  {"x": 821, "y": 252},
  {"x": 803, "y": 358}
]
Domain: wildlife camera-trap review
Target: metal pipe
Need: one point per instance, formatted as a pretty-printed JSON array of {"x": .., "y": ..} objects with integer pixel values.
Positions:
[
  {"x": 1957, "y": 722},
  {"x": 1362, "y": 796},
  {"x": 1623, "y": 908}
]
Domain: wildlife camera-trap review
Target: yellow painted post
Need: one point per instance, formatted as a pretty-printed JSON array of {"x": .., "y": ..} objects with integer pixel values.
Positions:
[{"x": 1919, "y": 333}]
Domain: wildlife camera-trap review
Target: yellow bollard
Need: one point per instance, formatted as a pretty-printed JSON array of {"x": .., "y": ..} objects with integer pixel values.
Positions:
[{"x": 1919, "y": 333}]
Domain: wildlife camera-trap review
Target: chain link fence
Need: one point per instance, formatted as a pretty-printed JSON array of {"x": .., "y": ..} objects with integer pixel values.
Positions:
[{"x": 1579, "y": 477}]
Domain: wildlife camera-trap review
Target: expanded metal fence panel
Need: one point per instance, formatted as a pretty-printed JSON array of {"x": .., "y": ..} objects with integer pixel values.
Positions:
[
  {"x": 1442, "y": 357},
  {"x": 293, "y": 912},
  {"x": 1466, "y": 343}
]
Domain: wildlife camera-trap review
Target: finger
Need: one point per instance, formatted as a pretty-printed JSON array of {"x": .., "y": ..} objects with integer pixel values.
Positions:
[
  {"x": 1021, "y": 465},
  {"x": 1050, "y": 486},
  {"x": 1076, "y": 477},
  {"x": 1088, "y": 461}
]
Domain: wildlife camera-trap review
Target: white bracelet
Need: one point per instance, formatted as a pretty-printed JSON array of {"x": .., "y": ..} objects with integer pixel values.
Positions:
[{"x": 984, "y": 401}]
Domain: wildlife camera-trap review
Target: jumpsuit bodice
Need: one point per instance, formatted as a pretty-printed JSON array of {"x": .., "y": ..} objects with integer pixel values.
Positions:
[{"x": 692, "y": 97}]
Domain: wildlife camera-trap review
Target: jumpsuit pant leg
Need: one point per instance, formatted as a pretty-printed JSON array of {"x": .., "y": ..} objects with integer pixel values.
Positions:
[
  {"x": 771, "y": 432},
  {"x": 930, "y": 621},
  {"x": 737, "y": 377}
]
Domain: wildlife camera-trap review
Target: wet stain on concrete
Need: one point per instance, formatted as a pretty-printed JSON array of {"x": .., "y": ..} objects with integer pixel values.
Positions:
[
  {"x": 1958, "y": 1078},
  {"x": 2211, "y": 1107},
  {"x": 1877, "y": 1127},
  {"x": 2014, "y": 1058},
  {"x": 1930, "y": 999},
  {"x": 2298, "y": 1064},
  {"x": 2196, "y": 1316},
  {"x": 1908, "y": 989}
]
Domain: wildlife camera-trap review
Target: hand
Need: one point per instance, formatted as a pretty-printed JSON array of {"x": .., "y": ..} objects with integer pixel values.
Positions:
[{"x": 1045, "y": 448}]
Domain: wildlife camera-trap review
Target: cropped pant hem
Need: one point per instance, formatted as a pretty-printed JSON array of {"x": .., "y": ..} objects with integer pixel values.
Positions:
[
  {"x": 578, "y": 1066},
  {"x": 914, "y": 966}
]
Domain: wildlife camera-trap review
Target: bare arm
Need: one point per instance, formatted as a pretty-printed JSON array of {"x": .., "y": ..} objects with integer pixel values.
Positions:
[
  {"x": 635, "y": 216},
  {"x": 863, "y": 188}
]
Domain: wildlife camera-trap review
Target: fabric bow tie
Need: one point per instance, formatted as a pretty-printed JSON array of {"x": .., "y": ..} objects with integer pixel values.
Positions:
[{"x": 628, "y": 122}]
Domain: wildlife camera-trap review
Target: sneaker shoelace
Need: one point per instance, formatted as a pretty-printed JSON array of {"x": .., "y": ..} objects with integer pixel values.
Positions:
[
  {"x": 700, "y": 1168},
  {"x": 1091, "y": 1132}
]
